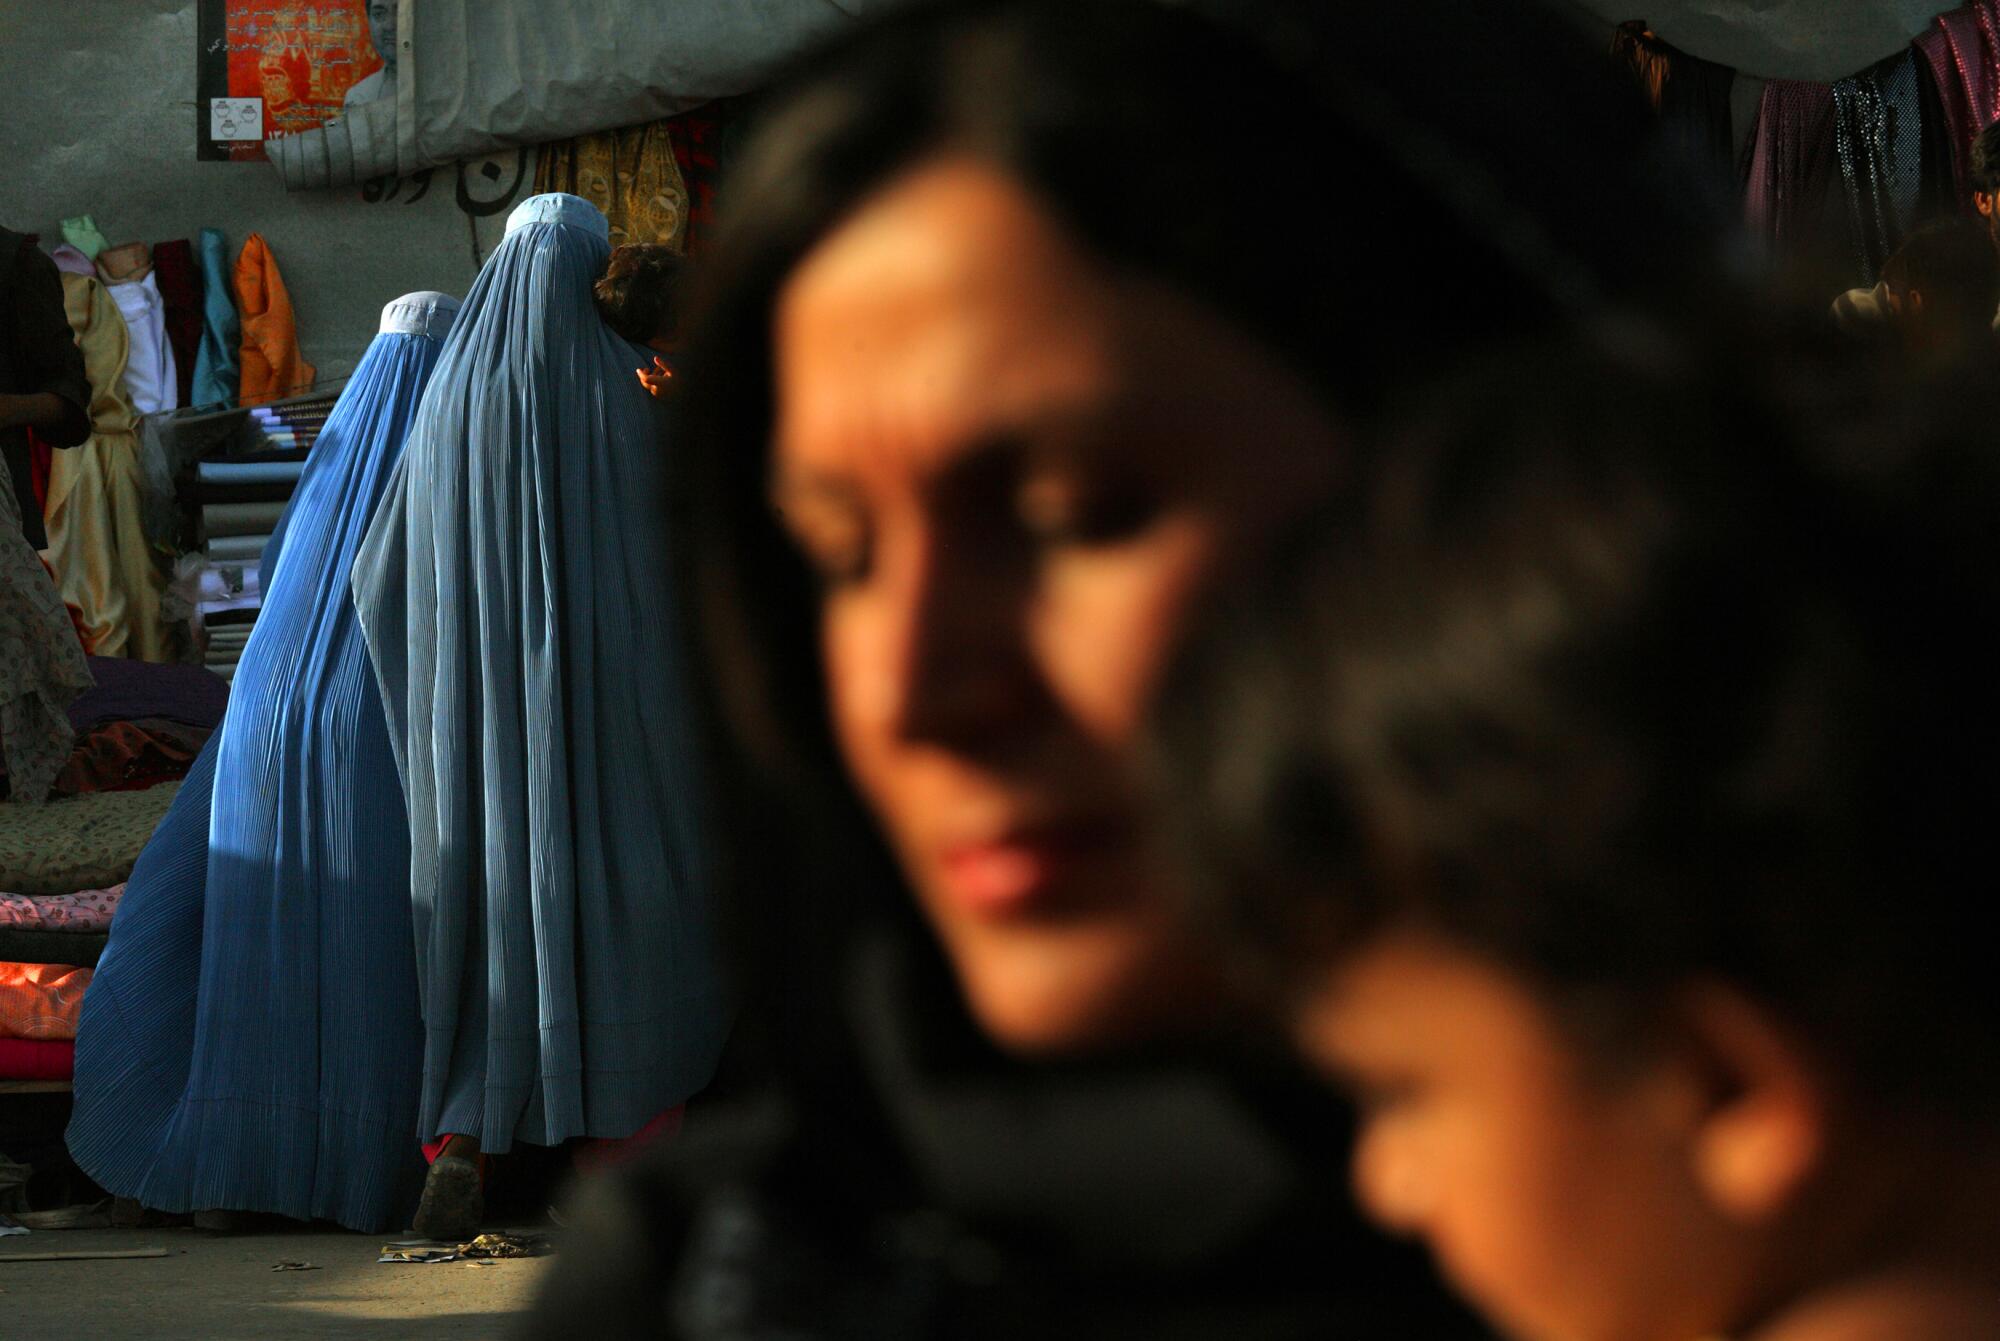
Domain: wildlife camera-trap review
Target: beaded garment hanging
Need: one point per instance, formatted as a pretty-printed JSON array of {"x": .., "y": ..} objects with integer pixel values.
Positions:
[{"x": 1878, "y": 141}]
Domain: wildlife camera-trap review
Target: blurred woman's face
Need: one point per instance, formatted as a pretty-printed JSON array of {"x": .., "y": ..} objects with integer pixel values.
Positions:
[{"x": 1014, "y": 471}]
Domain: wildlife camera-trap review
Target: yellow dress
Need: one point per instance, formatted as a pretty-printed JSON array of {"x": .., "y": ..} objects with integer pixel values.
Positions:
[{"x": 97, "y": 541}]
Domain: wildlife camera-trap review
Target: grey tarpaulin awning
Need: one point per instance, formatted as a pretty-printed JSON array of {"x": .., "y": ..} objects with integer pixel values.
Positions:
[
  {"x": 475, "y": 76},
  {"x": 1781, "y": 39}
]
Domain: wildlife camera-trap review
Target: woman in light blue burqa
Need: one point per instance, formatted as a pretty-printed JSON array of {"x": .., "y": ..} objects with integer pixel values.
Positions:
[
  {"x": 251, "y": 1040},
  {"x": 515, "y": 598}
]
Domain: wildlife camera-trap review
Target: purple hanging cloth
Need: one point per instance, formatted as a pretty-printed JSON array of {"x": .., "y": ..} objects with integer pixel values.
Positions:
[
  {"x": 1962, "y": 51},
  {"x": 1791, "y": 161}
]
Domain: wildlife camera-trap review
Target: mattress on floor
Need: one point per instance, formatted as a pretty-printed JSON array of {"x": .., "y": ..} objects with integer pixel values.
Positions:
[{"x": 70, "y": 843}]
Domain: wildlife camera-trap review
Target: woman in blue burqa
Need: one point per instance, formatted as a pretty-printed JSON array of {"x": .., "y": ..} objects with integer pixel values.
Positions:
[
  {"x": 251, "y": 1039},
  {"x": 529, "y": 658}
]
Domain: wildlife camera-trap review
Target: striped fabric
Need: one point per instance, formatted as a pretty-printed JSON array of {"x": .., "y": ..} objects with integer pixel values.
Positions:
[
  {"x": 251, "y": 1041},
  {"x": 516, "y": 603}
]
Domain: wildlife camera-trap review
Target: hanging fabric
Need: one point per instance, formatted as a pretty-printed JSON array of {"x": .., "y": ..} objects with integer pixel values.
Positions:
[
  {"x": 71, "y": 261},
  {"x": 1878, "y": 142},
  {"x": 95, "y": 511},
  {"x": 630, "y": 174},
  {"x": 273, "y": 367},
  {"x": 149, "y": 370},
  {"x": 703, "y": 141},
  {"x": 215, "y": 367},
  {"x": 1690, "y": 94},
  {"x": 1790, "y": 161},
  {"x": 82, "y": 233},
  {"x": 1962, "y": 51},
  {"x": 180, "y": 290}
]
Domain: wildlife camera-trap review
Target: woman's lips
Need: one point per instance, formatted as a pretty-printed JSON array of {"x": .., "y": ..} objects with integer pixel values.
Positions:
[{"x": 1013, "y": 874}]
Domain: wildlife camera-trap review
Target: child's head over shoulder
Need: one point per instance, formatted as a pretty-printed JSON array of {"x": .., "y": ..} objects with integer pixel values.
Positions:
[{"x": 1599, "y": 789}]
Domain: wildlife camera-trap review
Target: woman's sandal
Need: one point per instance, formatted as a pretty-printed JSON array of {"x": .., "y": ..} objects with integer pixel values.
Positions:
[{"x": 453, "y": 1203}]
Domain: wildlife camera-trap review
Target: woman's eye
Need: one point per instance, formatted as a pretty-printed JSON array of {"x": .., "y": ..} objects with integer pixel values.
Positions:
[
  {"x": 1062, "y": 512},
  {"x": 1381, "y": 1099},
  {"x": 835, "y": 551}
]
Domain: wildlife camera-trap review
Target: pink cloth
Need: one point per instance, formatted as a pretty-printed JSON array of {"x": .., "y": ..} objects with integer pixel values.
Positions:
[
  {"x": 1962, "y": 49},
  {"x": 90, "y": 910},
  {"x": 68, "y": 258},
  {"x": 33, "y": 1059},
  {"x": 1791, "y": 161}
]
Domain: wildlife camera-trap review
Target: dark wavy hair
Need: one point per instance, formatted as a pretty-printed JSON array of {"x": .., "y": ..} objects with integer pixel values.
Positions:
[
  {"x": 1368, "y": 191},
  {"x": 1628, "y": 679},
  {"x": 1984, "y": 172},
  {"x": 639, "y": 295}
]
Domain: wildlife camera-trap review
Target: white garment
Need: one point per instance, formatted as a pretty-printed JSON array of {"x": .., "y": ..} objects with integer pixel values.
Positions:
[
  {"x": 150, "y": 376},
  {"x": 1858, "y": 309}
]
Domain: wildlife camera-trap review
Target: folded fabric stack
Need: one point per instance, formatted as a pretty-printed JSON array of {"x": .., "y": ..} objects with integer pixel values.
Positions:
[
  {"x": 229, "y": 597},
  {"x": 63, "y": 864},
  {"x": 242, "y": 499},
  {"x": 294, "y": 423}
]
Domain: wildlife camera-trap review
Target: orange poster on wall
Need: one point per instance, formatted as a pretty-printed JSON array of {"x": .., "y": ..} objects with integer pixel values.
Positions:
[{"x": 277, "y": 67}]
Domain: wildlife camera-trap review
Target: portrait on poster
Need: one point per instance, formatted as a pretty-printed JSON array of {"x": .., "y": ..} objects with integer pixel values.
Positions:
[{"x": 278, "y": 67}]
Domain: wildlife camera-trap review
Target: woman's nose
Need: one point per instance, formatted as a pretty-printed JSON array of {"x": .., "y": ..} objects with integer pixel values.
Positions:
[{"x": 955, "y": 663}]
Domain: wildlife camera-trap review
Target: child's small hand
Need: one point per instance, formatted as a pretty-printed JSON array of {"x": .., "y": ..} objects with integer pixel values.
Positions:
[{"x": 655, "y": 378}]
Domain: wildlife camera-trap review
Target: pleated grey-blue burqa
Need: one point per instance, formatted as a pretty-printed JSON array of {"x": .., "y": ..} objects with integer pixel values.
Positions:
[
  {"x": 515, "y": 598},
  {"x": 251, "y": 1040}
]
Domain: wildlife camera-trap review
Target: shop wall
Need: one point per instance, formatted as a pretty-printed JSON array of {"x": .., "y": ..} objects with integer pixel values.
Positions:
[{"x": 97, "y": 116}]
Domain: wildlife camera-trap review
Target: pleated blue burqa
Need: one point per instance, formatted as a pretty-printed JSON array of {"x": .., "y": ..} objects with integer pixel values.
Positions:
[
  {"x": 515, "y": 597},
  {"x": 251, "y": 1039}
]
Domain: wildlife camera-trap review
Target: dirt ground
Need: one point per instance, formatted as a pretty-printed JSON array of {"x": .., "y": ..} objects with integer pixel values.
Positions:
[{"x": 211, "y": 1286}]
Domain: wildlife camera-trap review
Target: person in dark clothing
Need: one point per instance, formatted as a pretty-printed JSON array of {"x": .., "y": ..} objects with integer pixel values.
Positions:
[
  {"x": 42, "y": 382},
  {"x": 1983, "y": 177},
  {"x": 1603, "y": 791},
  {"x": 1015, "y": 341},
  {"x": 1943, "y": 287}
]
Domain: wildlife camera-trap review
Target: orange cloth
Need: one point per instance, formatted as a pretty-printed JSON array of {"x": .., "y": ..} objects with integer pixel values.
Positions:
[
  {"x": 41, "y": 1001},
  {"x": 273, "y": 367}
]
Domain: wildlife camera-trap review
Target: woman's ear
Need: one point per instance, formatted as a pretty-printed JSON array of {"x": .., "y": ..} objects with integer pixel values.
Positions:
[{"x": 1762, "y": 1131}]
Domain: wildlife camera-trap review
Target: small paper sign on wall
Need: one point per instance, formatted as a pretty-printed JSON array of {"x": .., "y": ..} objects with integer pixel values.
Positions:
[{"x": 232, "y": 120}]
